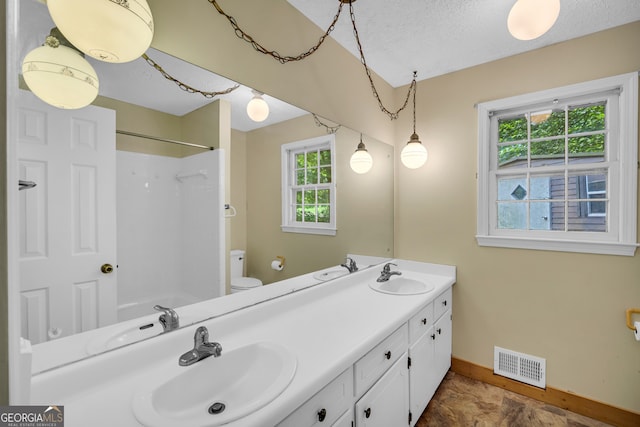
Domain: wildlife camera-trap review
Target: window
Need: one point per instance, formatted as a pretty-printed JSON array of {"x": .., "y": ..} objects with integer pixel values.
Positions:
[
  {"x": 557, "y": 169},
  {"x": 308, "y": 186}
]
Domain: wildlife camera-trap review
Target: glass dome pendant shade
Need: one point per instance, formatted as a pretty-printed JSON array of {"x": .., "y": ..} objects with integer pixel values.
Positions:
[
  {"x": 257, "y": 108},
  {"x": 361, "y": 161},
  {"x": 529, "y": 19},
  {"x": 414, "y": 154},
  {"x": 58, "y": 74},
  {"x": 108, "y": 30}
]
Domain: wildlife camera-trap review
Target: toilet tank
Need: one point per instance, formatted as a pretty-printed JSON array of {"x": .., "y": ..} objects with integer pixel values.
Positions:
[{"x": 236, "y": 263}]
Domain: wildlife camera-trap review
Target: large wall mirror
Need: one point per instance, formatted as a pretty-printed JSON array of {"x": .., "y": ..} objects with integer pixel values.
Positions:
[{"x": 162, "y": 217}]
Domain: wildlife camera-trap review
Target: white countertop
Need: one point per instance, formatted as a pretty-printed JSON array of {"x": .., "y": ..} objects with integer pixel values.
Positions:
[{"x": 327, "y": 327}]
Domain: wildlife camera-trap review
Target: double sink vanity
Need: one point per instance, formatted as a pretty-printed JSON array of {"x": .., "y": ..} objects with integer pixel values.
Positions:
[{"x": 367, "y": 348}]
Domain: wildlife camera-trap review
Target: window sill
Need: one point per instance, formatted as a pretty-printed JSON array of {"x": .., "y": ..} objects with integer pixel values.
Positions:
[
  {"x": 590, "y": 247},
  {"x": 309, "y": 230}
]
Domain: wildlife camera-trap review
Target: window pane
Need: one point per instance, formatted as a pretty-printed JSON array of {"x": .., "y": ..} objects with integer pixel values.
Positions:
[
  {"x": 309, "y": 214},
  {"x": 587, "y": 118},
  {"x": 594, "y": 223},
  {"x": 312, "y": 159},
  {"x": 547, "y": 123},
  {"x": 544, "y": 153},
  {"x": 325, "y": 175},
  {"x": 299, "y": 160},
  {"x": 512, "y": 129},
  {"x": 299, "y": 213},
  {"x": 323, "y": 196},
  {"x": 540, "y": 216},
  {"x": 512, "y": 215},
  {"x": 545, "y": 187},
  {"x": 312, "y": 176},
  {"x": 512, "y": 155},
  {"x": 300, "y": 177},
  {"x": 589, "y": 148},
  {"x": 309, "y": 197},
  {"x": 596, "y": 183},
  {"x": 325, "y": 157},
  {"x": 512, "y": 188},
  {"x": 557, "y": 215},
  {"x": 324, "y": 213},
  {"x": 299, "y": 197}
]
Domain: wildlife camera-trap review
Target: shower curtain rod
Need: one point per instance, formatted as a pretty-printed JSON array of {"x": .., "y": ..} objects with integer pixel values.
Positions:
[{"x": 155, "y": 138}]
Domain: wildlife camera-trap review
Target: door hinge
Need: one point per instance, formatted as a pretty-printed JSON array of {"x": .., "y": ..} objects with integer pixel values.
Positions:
[
  {"x": 408, "y": 363},
  {"x": 410, "y": 417}
]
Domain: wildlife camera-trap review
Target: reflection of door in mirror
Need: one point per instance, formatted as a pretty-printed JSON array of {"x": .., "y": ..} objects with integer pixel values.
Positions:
[{"x": 67, "y": 222}]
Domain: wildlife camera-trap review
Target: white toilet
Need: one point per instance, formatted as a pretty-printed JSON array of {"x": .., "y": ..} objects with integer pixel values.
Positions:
[{"x": 238, "y": 282}]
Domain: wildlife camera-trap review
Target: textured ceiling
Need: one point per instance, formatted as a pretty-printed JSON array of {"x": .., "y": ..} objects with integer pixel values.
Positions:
[{"x": 435, "y": 37}]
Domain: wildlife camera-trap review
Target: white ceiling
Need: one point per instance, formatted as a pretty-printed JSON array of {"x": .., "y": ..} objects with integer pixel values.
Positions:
[
  {"x": 432, "y": 37},
  {"x": 435, "y": 37}
]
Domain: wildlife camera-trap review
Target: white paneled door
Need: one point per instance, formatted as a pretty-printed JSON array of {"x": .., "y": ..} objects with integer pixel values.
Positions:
[{"x": 68, "y": 221}]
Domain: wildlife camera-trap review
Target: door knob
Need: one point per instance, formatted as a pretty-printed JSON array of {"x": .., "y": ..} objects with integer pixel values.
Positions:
[{"x": 106, "y": 268}]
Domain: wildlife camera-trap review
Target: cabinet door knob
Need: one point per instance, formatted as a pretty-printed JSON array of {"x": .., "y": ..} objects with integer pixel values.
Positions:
[
  {"x": 433, "y": 336},
  {"x": 322, "y": 414},
  {"x": 367, "y": 412},
  {"x": 388, "y": 355},
  {"x": 444, "y": 303},
  {"x": 439, "y": 331},
  {"x": 424, "y": 321}
]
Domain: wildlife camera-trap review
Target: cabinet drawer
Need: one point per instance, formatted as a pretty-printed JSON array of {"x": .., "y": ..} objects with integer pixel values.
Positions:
[
  {"x": 324, "y": 408},
  {"x": 370, "y": 367},
  {"x": 442, "y": 304},
  {"x": 420, "y": 323}
]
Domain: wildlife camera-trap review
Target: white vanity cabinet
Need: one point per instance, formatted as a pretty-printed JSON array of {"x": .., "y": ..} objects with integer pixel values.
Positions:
[{"x": 345, "y": 420}]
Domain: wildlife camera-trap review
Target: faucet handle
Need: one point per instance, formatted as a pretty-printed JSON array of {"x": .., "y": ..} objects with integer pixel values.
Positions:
[
  {"x": 168, "y": 318},
  {"x": 387, "y": 267}
]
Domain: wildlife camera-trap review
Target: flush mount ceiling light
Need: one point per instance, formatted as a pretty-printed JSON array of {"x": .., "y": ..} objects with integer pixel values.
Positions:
[
  {"x": 361, "y": 161},
  {"x": 257, "y": 108},
  {"x": 529, "y": 19},
  {"x": 58, "y": 74},
  {"x": 414, "y": 154},
  {"x": 108, "y": 30}
]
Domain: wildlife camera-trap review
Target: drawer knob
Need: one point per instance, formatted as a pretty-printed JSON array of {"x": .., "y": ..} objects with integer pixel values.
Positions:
[
  {"x": 439, "y": 331},
  {"x": 444, "y": 303},
  {"x": 424, "y": 321},
  {"x": 322, "y": 414},
  {"x": 388, "y": 355},
  {"x": 367, "y": 412},
  {"x": 433, "y": 336}
]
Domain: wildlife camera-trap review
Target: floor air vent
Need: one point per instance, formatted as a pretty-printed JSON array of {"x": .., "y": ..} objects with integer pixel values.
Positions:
[{"x": 519, "y": 366}]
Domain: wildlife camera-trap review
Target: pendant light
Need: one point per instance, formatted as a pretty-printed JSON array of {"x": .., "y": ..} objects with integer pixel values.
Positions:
[
  {"x": 361, "y": 161},
  {"x": 58, "y": 74},
  {"x": 529, "y": 19},
  {"x": 257, "y": 108},
  {"x": 414, "y": 154},
  {"x": 108, "y": 30}
]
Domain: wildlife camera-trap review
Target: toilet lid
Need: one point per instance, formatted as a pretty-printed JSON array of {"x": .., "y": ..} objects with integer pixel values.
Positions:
[{"x": 245, "y": 282}]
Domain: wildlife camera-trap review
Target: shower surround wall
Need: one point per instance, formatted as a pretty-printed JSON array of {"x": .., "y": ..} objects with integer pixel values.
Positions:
[{"x": 170, "y": 230}]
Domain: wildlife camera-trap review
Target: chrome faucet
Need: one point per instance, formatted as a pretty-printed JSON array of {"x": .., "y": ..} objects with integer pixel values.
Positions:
[
  {"x": 386, "y": 272},
  {"x": 350, "y": 265},
  {"x": 168, "y": 319},
  {"x": 202, "y": 348}
]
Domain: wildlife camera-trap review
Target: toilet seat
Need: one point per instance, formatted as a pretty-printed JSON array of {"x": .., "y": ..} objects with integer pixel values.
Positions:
[{"x": 242, "y": 283}]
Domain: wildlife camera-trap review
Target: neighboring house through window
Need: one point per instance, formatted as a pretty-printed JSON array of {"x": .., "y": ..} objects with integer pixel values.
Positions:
[
  {"x": 309, "y": 186},
  {"x": 557, "y": 169}
]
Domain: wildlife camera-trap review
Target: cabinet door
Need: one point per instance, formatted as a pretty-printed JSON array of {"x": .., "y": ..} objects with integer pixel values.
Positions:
[
  {"x": 387, "y": 402},
  {"x": 346, "y": 420},
  {"x": 423, "y": 375},
  {"x": 442, "y": 329}
]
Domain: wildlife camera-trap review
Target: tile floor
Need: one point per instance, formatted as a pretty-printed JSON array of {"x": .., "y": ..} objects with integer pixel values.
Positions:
[{"x": 461, "y": 401}]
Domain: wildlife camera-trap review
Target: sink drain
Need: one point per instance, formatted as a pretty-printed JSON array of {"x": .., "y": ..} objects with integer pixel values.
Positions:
[{"x": 216, "y": 408}]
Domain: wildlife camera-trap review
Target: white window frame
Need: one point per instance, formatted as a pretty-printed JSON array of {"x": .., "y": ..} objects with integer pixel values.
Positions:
[
  {"x": 289, "y": 223},
  {"x": 621, "y": 238}
]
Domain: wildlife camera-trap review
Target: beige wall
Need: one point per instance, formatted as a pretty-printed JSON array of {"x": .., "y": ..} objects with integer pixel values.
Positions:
[
  {"x": 364, "y": 203},
  {"x": 238, "y": 194},
  {"x": 568, "y": 308}
]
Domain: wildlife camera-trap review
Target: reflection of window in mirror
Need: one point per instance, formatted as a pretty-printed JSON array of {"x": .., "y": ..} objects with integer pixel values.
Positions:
[{"x": 308, "y": 186}]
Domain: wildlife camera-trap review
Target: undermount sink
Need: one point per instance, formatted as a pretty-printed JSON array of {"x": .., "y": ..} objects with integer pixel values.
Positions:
[
  {"x": 332, "y": 273},
  {"x": 217, "y": 390},
  {"x": 399, "y": 285}
]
